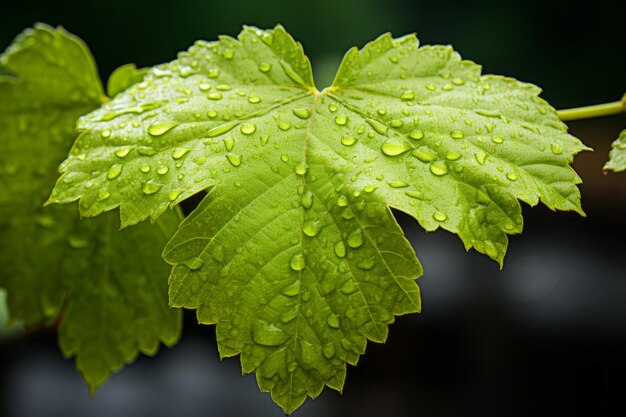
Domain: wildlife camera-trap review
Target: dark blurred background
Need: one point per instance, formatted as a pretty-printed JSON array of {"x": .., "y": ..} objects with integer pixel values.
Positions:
[{"x": 544, "y": 336}]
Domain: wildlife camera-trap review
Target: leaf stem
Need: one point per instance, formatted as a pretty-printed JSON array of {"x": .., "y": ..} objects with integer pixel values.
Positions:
[{"x": 598, "y": 110}]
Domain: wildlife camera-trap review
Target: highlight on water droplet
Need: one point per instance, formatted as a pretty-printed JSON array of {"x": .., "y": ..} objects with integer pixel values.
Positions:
[
  {"x": 105, "y": 133},
  {"x": 557, "y": 149}
]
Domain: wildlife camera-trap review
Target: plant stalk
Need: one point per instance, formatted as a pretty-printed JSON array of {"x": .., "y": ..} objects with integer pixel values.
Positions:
[{"x": 598, "y": 110}]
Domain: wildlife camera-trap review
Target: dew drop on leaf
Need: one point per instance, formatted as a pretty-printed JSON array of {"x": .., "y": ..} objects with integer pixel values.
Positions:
[
  {"x": 395, "y": 147},
  {"x": 312, "y": 227},
  {"x": 439, "y": 168},
  {"x": 439, "y": 216},
  {"x": 160, "y": 128},
  {"x": 302, "y": 113},
  {"x": 150, "y": 187},
  {"x": 355, "y": 239},
  {"x": 266, "y": 334},
  {"x": 114, "y": 171},
  {"x": 340, "y": 249},
  {"x": 234, "y": 159},
  {"x": 248, "y": 128},
  {"x": 297, "y": 262}
]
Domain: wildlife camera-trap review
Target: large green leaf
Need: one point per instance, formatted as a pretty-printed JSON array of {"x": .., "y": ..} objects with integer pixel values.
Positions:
[
  {"x": 617, "y": 156},
  {"x": 107, "y": 289},
  {"x": 294, "y": 252}
]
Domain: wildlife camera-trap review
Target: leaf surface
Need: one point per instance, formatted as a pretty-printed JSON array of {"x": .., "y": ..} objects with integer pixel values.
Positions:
[
  {"x": 106, "y": 289},
  {"x": 617, "y": 156},
  {"x": 294, "y": 252}
]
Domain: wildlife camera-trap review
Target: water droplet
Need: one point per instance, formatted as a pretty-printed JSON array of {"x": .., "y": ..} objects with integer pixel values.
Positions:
[
  {"x": 288, "y": 316},
  {"x": 298, "y": 262},
  {"x": 557, "y": 149},
  {"x": 348, "y": 140},
  {"x": 162, "y": 170},
  {"x": 204, "y": 87},
  {"x": 350, "y": 287},
  {"x": 254, "y": 99},
  {"x": 497, "y": 139},
  {"x": 302, "y": 113},
  {"x": 458, "y": 81},
  {"x": 293, "y": 289},
  {"x": 333, "y": 108},
  {"x": 416, "y": 134},
  {"x": 179, "y": 153},
  {"x": 312, "y": 227},
  {"x": 106, "y": 133},
  {"x": 407, "y": 95},
  {"x": 430, "y": 87},
  {"x": 146, "y": 151},
  {"x": 284, "y": 126},
  {"x": 414, "y": 194},
  {"x": 160, "y": 128},
  {"x": 229, "y": 143},
  {"x": 439, "y": 216},
  {"x": 248, "y": 128},
  {"x": 144, "y": 168},
  {"x": 215, "y": 96},
  {"x": 284, "y": 158},
  {"x": 342, "y": 201},
  {"x": 114, "y": 171},
  {"x": 425, "y": 154},
  {"x": 481, "y": 157},
  {"x": 307, "y": 200},
  {"x": 395, "y": 147},
  {"x": 333, "y": 321},
  {"x": 221, "y": 129},
  {"x": 103, "y": 195},
  {"x": 394, "y": 59},
  {"x": 340, "y": 249},
  {"x": 457, "y": 134},
  {"x": 150, "y": 187},
  {"x": 234, "y": 159},
  {"x": 173, "y": 195},
  {"x": 265, "y": 67},
  {"x": 301, "y": 168},
  {"x": 453, "y": 156},
  {"x": 396, "y": 123},
  {"x": 341, "y": 120},
  {"x": 366, "y": 264},
  {"x": 378, "y": 126},
  {"x": 397, "y": 184},
  {"x": 328, "y": 350},
  {"x": 123, "y": 151},
  {"x": 266, "y": 334},
  {"x": 355, "y": 239},
  {"x": 512, "y": 176},
  {"x": 439, "y": 168}
]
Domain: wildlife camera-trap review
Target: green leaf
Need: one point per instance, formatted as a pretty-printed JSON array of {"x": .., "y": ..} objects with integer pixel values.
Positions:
[
  {"x": 124, "y": 77},
  {"x": 617, "y": 156},
  {"x": 107, "y": 289},
  {"x": 294, "y": 252}
]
